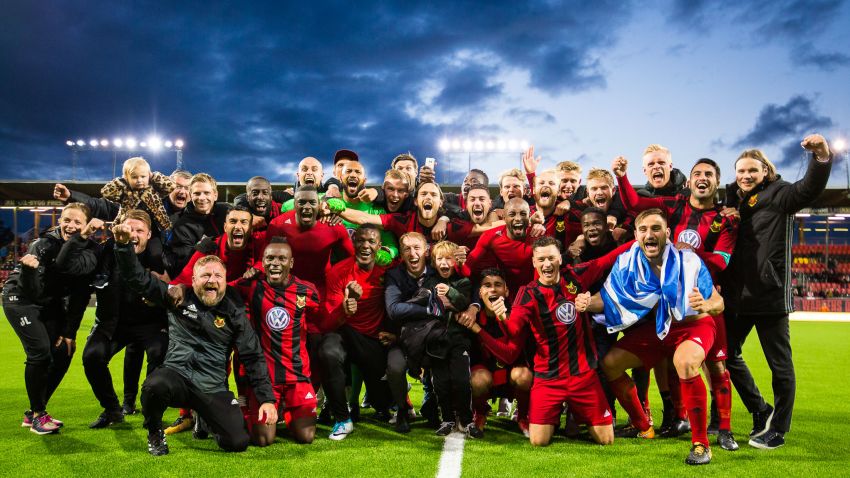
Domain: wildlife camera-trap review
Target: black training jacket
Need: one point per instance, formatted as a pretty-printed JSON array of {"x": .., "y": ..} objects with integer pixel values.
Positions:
[
  {"x": 201, "y": 338},
  {"x": 758, "y": 279},
  {"x": 188, "y": 228}
]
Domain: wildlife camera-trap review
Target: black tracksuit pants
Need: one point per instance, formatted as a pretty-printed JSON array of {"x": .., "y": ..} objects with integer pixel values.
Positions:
[
  {"x": 345, "y": 346},
  {"x": 134, "y": 356},
  {"x": 38, "y": 328},
  {"x": 220, "y": 411},
  {"x": 100, "y": 349},
  {"x": 774, "y": 335},
  {"x": 450, "y": 377}
]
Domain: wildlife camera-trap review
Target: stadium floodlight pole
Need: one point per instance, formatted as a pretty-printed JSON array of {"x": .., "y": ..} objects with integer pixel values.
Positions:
[
  {"x": 481, "y": 145},
  {"x": 128, "y": 144}
]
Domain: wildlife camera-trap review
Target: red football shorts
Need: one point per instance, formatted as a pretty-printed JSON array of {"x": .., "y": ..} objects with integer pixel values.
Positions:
[
  {"x": 293, "y": 400},
  {"x": 583, "y": 394},
  {"x": 719, "y": 351},
  {"x": 643, "y": 342}
]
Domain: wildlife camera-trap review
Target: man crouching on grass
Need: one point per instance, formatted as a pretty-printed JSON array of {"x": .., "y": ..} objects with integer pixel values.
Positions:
[
  {"x": 673, "y": 291},
  {"x": 202, "y": 331}
]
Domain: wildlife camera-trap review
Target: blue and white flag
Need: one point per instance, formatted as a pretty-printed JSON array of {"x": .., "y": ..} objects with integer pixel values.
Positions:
[{"x": 632, "y": 289}]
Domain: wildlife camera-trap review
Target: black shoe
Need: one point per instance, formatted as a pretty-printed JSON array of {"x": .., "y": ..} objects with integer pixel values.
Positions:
[
  {"x": 382, "y": 416},
  {"x": 726, "y": 440},
  {"x": 354, "y": 412},
  {"x": 157, "y": 446},
  {"x": 325, "y": 417},
  {"x": 768, "y": 441},
  {"x": 128, "y": 409},
  {"x": 107, "y": 418},
  {"x": 678, "y": 428},
  {"x": 714, "y": 423},
  {"x": 473, "y": 431},
  {"x": 445, "y": 429},
  {"x": 761, "y": 421},
  {"x": 402, "y": 425},
  {"x": 700, "y": 455},
  {"x": 200, "y": 432},
  {"x": 667, "y": 418}
]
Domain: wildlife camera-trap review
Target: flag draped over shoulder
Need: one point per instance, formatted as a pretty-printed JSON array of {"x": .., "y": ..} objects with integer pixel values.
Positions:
[{"x": 632, "y": 289}]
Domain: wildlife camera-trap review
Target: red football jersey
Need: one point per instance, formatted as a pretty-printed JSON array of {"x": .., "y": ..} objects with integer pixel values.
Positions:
[
  {"x": 513, "y": 257},
  {"x": 369, "y": 318}
]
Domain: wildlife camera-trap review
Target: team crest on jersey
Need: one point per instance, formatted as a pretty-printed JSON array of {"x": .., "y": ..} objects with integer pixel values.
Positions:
[
  {"x": 277, "y": 318},
  {"x": 300, "y": 301},
  {"x": 753, "y": 200},
  {"x": 566, "y": 313},
  {"x": 571, "y": 288},
  {"x": 218, "y": 322},
  {"x": 689, "y": 236},
  {"x": 715, "y": 226},
  {"x": 560, "y": 226}
]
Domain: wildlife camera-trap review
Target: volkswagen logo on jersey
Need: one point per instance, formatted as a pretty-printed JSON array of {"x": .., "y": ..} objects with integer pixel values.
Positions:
[
  {"x": 566, "y": 313},
  {"x": 277, "y": 318},
  {"x": 689, "y": 236}
]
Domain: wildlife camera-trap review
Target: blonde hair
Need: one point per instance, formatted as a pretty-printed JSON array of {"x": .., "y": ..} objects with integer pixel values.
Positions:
[
  {"x": 398, "y": 174},
  {"x": 759, "y": 156},
  {"x": 138, "y": 215},
  {"x": 442, "y": 248},
  {"x": 657, "y": 147},
  {"x": 568, "y": 167},
  {"x": 599, "y": 173},
  {"x": 203, "y": 178},
  {"x": 412, "y": 235},
  {"x": 514, "y": 173},
  {"x": 133, "y": 164},
  {"x": 208, "y": 260}
]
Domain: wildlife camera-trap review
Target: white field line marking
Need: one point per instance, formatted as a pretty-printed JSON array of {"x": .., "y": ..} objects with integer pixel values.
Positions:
[
  {"x": 452, "y": 456},
  {"x": 820, "y": 316}
]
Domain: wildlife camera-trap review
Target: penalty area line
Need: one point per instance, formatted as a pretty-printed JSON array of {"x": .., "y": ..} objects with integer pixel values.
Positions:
[{"x": 452, "y": 457}]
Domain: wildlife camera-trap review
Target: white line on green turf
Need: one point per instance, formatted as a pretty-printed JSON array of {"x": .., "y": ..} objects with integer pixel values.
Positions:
[
  {"x": 820, "y": 316},
  {"x": 452, "y": 457}
]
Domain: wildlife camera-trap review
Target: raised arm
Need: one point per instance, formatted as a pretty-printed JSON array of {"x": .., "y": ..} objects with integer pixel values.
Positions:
[
  {"x": 802, "y": 193},
  {"x": 134, "y": 276},
  {"x": 630, "y": 198}
]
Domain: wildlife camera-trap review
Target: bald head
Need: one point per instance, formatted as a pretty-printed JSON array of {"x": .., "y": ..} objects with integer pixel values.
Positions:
[
  {"x": 309, "y": 172},
  {"x": 517, "y": 217}
]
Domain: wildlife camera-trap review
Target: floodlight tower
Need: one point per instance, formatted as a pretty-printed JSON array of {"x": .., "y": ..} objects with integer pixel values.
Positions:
[
  {"x": 129, "y": 144},
  {"x": 481, "y": 146}
]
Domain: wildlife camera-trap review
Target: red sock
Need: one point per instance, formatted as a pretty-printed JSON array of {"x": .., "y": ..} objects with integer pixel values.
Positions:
[
  {"x": 522, "y": 399},
  {"x": 722, "y": 391},
  {"x": 676, "y": 395},
  {"x": 693, "y": 393},
  {"x": 626, "y": 392}
]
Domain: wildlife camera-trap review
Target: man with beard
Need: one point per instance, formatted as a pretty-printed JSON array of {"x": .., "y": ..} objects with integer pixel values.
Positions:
[
  {"x": 507, "y": 246},
  {"x": 280, "y": 307},
  {"x": 428, "y": 201},
  {"x": 546, "y": 186},
  {"x": 106, "y": 210},
  {"x": 647, "y": 282},
  {"x": 354, "y": 181},
  {"x": 662, "y": 179},
  {"x": 202, "y": 217},
  {"x": 479, "y": 212},
  {"x": 123, "y": 318},
  {"x": 237, "y": 248},
  {"x": 311, "y": 241},
  {"x": 699, "y": 225},
  {"x": 355, "y": 304},
  {"x": 260, "y": 200},
  {"x": 333, "y": 186},
  {"x": 202, "y": 332},
  {"x": 475, "y": 177}
]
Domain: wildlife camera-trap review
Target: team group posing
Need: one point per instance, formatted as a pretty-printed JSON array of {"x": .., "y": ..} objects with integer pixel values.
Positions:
[{"x": 334, "y": 285}]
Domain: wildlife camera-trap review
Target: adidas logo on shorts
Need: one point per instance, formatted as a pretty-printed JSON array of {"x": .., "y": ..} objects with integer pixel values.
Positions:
[
  {"x": 606, "y": 414},
  {"x": 308, "y": 396},
  {"x": 720, "y": 354},
  {"x": 698, "y": 340}
]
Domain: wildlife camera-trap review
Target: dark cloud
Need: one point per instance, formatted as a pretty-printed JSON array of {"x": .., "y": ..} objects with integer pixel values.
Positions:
[
  {"x": 530, "y": 116},
  {"x": 268, "y": 82},
  {"x": 789, "y": 22},
  {"x": 785, "y": 126}
]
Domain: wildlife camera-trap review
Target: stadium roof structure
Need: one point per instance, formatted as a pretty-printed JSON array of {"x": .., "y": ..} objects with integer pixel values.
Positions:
[{"x": 32, "y": 194}]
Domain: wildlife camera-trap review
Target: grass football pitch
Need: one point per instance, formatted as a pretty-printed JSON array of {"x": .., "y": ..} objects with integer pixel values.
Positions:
[{"x": 816, "y": 446}]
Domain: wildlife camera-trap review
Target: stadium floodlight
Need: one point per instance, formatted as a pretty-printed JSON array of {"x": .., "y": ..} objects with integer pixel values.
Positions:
[
  {"x": 467, "y": 145},
  {"x": 445, "y": 144},
  {"x": 802, "y": 214},
  {"x": 840, "y": 145},
  {"x": 130, "y": 142},
  {"x": 69, "y": 143},
  {"x": 93, "y": 143},
  {"x": 118, "y": 142},
  {"x": 178, "y": 144},
  {"x": 169, "y": 144},
  {"x": 523, "y": 144},
  {"x": 836, "y": 218},
  {"x": 512, "y": 144},
  {"x": 81, "y": 143},
  {"x": 143, "y": 144},
  {"x": 479, "y": 145},
  {"x": 104, "y": 143},
  {"x": 490, "y": 145},
  {"x": 154, "y": 143},
  {"x": 501, "y": 145},
  {"x": 456, "y": 145}
]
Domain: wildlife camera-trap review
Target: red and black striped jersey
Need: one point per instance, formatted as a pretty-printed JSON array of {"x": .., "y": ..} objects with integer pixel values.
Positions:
[
  {"x": 706, "y": 230},
  {"x": 400, "y": 223},
  {"x": 280, "y": 316},
  {"x": 513, "y": 257}
]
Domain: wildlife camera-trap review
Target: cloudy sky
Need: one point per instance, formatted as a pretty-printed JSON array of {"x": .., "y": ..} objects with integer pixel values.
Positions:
[{"x": 252, "y": 87}]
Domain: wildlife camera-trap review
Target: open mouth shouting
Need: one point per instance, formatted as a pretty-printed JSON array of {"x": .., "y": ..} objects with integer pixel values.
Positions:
[
  {"x": 518, "y": 227},
  {"x": 593, "y": 236},
  {"x": 237, "y": 238},
  {"x": 702, "y": 187},
  {"x": 352, "y": 186},
  {"x": 546, "y": 196},
  {"x": 657, "y": 177},
  {"x": 210, "y": 294},
  {"x": 600, "y": 200},
  {"x": 548, "y": 272},
  {"x": 274, "y": 272},
  {"x": 651, "y": 247},
  {"x": 427, "y": 209},
  {"x": 69, "y": 231},
  {"x": 478, "y": 214}
]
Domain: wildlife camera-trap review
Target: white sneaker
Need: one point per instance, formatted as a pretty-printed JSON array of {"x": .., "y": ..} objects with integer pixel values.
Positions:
[{"x": 341, "y": 430}]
